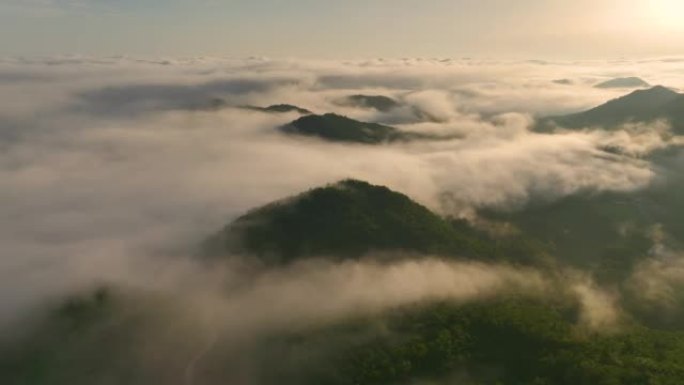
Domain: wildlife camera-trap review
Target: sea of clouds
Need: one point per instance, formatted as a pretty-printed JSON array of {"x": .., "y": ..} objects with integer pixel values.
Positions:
[{"x": 114, "y": 169}]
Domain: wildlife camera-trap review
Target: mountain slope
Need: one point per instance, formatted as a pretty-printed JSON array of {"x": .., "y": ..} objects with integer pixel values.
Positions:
[
  {"x": 591, "y": 231},
  {"x": 348, "y": 218},
  {"x": 508, "y": 342},
  {"x": 339, "y": 128},
  {"x": 511, "y": 340},
  {"x": 129, "y": 337},
  {"x": 639, "y": 106},
  {"x": 610, "y": 232},
  {"x": 352, "y": 218}
]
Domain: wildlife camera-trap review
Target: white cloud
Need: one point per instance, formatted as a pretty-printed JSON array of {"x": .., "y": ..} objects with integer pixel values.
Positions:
[{"x": 102, "y": 165}]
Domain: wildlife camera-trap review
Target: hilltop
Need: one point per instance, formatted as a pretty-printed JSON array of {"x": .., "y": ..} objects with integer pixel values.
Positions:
[
  {"x": 351, "y": 218},
  {"x": 339, "y": 128},
  {"x": 626, "y": 82},
  {"x": 656, "y": 103}
]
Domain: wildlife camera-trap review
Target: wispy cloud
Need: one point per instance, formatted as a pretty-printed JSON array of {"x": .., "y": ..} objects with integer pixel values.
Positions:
[{"x": 106, "y": 161}]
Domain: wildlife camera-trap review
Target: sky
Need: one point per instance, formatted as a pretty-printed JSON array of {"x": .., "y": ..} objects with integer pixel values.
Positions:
[{"x": 344, "y": 29}]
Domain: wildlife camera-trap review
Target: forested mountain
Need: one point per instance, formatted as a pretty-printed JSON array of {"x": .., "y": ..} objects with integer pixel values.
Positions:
[
  {"x": 657, "y": 103},
  {"x": 339, "y": 128},
  {"x": 352, "y": 218}
]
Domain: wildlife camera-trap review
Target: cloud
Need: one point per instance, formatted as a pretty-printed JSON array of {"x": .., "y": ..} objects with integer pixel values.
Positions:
[
  {"x": 106, "y": 165},
  {"x": 599, "y": 309},
  {"x": 319, "y": 292},
  {"x": 657, "y": 282},
  {"x": 202, "y": 321},
  {"x": 150, "y": 97}
]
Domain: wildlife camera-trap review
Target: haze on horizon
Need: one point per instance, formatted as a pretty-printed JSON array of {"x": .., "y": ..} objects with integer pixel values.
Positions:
[{"x": 352, "y": 28}]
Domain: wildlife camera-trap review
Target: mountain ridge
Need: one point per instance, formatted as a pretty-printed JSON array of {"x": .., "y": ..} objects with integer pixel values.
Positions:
[
  {"x": 640, "y": 106},
  {"x": 352, "y": 218},
  {"x": 340, "y": 128}
]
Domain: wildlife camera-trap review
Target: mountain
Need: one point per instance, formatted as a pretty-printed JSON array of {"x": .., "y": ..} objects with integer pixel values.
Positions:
[
  {"x": 609, "y": 233},
  {"x": 606, "y": 233},
  {"x": 377, "y": 102},
  {"x": 280, "y": 108},
  {"x": 218, "y": 104},
  {"x": 351, "y": 218},
  {"x": 339, "y": 128},
  {"x": 348, "y": 218},
  {"x": 564, "y": 82},
  {"x": 385, "y": 104},
  {"x": 628, "y": 82},
  {"x": 639, "y": 106}
]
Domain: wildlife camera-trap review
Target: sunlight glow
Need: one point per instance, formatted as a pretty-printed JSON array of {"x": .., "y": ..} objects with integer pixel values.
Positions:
[{"x": 667, "y": 14}]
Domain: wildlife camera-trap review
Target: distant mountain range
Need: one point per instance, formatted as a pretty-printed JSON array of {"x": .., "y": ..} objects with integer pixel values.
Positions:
[
  {"x": 219, "y": 103},
  {"x": 640, "y": 106}
]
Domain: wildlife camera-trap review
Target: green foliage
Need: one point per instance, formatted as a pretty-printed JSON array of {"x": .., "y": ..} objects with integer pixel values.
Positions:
[
  {"x": 352, "y": 218},
  {"x": 72, "y": 344},
  {"x": 511, "y": 342},
  {"x": 507, "y": 341},
  {"x": 346, "y": 219},
  {"x": 515, "y": 248},
  {"x": 637, "y": 357},
  {"x": 608, "y": 232},
  {"x": 509, "y": 336}
]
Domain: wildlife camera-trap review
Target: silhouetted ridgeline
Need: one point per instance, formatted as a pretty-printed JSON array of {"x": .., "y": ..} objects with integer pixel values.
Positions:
[
  {"x": 627, "y": 82},
  {"x": 641, "y": 106},
  {"x": 339, "y": 128}
]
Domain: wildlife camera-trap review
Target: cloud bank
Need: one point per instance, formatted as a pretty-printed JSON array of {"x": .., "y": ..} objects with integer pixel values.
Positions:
[{"x": 106, "y": 163}]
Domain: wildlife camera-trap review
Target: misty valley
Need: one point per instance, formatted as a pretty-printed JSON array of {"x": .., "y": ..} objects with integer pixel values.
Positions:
[{"x": 392, "y": 221}]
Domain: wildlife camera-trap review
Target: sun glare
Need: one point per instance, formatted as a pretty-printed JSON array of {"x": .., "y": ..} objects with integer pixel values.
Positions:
[{"x": 667, "y": 13}]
